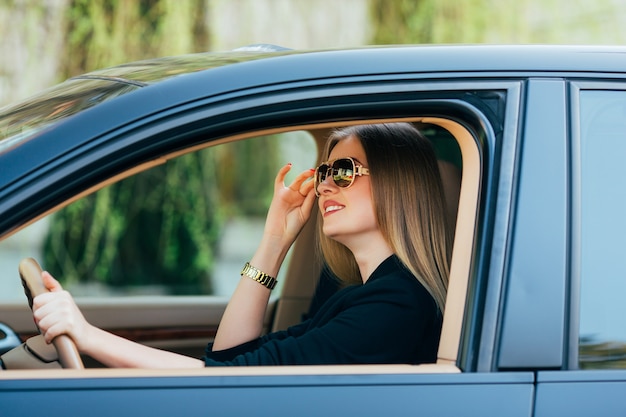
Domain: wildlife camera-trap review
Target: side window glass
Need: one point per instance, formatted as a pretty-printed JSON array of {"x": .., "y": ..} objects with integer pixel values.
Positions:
[
  {"x": 182, "y": 228},
  {"x": 602, "y": 335}
]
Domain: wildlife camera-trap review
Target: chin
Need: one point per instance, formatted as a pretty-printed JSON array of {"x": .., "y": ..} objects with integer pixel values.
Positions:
[{"x": 331, "y": 232}]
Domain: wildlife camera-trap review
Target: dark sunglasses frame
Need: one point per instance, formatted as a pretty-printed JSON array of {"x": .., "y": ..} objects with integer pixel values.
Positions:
[{"x": 343, "y": 180}]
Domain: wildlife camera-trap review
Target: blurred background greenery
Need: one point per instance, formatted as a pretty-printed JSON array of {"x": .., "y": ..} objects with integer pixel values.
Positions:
[
  {"x": 112, "y": 235},
  {"x": 46, "y": 41}
]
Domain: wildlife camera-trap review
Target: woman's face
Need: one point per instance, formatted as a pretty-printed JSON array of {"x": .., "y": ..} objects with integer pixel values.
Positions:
[{"x": 348, "y": 213}]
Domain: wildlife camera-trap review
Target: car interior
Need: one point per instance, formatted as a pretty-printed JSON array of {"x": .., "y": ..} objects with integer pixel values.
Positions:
[{"x": 185, "y": 324}]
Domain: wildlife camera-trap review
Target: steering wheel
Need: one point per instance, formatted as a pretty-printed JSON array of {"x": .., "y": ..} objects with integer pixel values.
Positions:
[{"x": 30, "y": 273}]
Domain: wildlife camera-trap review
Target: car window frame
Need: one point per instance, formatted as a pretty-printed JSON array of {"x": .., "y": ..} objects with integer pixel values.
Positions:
[
  {"x": 575, "y": 87},
  {"x": 485, "y": 145}
]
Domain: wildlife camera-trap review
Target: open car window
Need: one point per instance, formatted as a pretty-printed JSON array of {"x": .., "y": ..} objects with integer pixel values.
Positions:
[
  {"x": 200, "y": 248},
  {"x": 184, "y": 227}
]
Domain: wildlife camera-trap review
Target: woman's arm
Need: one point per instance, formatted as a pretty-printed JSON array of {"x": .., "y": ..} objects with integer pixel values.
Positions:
[
  {"x": 116, "y": 352},
  {"x": 290, "y": 209},
  {"x": 56, "y": 313}
]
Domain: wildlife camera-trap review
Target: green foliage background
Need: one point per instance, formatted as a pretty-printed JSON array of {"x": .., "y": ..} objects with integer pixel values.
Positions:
[
  {"x": 102, "y": 33},
  {"x": 497, "y": 21},
  {"x": 159, "y": 227}
]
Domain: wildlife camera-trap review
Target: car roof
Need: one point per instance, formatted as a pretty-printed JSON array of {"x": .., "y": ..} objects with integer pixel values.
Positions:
[
  {"x": 386, "y": 59},
  {"x": 204, "y": 73}
]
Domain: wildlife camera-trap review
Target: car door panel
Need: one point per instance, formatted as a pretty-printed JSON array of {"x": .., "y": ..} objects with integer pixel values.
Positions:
[
  {"x": 581, "y": 393},
  {"x": 294, "y": 392},
  {"x": 534, "y": 313}
]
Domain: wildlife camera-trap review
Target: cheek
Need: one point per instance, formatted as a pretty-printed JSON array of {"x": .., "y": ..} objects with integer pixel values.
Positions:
[
  {"x": 369, "y": 217},
  {"x": 364, "y": 210}
]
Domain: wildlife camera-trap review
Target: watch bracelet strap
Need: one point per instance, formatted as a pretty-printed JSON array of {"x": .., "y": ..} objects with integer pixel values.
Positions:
[{"x": 259, "y": 276}]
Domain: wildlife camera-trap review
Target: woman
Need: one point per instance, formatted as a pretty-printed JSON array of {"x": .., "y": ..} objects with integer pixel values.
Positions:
[{"x": 383, "y": 226}]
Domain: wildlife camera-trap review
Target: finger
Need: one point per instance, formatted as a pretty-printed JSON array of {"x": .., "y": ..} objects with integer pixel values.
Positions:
[
  {"x": 304, "y": 175},
  {"x": 302, "y": 179},
  {"x": 53, "y": 331},
  {"x": 56, "y": 316},
  {"x": 306, "y": 187},
  {"x": 50, "y": 283},
  {"x": 280, "y": 177},
  {"x": 41, "y": 301},
  {"x": 309, "y": 201},
  {"x": 48, "y": 303}
]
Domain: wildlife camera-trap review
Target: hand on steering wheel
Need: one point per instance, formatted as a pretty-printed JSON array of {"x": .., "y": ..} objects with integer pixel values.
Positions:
[{"x": 30, "y": 273}]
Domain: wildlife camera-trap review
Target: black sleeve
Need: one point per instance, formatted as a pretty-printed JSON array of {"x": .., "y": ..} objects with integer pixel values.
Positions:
[
  {"x": 225, "y": 355},
  {"x": 378, "y": 324},
  {"x": 327, "y": 286}
]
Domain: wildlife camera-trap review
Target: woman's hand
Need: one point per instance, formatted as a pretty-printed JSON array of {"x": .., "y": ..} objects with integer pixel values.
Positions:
[
  {"x": 291, "y": 206},
  {"x": 56, "y": 313}
]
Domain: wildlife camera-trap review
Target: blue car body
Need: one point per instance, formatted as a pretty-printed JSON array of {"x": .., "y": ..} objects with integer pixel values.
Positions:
[{"x": 518, "y": 345}]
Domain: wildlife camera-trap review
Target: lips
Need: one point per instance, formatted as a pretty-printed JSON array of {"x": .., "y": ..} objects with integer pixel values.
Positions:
[{"x": 332, "y": 207}]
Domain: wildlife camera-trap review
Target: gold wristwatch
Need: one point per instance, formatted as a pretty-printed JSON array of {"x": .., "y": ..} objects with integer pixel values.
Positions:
[{"x": 259, "y": 276}]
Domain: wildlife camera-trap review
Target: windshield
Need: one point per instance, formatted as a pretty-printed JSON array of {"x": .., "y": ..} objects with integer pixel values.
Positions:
[{"x": 22, "y": 121}]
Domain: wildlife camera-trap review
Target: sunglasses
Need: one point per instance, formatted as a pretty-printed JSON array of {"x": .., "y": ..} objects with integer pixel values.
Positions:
[{"x": 343, "y": 172}]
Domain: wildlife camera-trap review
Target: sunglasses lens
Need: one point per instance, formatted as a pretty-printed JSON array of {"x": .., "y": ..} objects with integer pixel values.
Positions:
[
  {"x": 343, "y": 172},
  {"x": 320, "y": 175}
]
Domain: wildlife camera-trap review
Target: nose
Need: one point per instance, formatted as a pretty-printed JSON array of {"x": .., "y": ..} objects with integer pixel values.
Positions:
[{"x": 327, "y": 186}]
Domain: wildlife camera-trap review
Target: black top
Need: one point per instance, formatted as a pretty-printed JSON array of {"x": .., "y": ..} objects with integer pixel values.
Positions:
[{"x": 390, "y": 319}]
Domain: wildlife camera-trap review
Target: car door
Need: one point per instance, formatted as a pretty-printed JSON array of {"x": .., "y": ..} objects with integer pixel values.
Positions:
[
  {"x": 593, "y": 376},
  {"x": 484, "y": 113}
]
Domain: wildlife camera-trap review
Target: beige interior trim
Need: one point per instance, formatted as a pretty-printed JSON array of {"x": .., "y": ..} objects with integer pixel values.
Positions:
[
  {"x": 463, "y": 241},
  {"x": 230, "y": 371},
  {"x": 129, "y": 312}
]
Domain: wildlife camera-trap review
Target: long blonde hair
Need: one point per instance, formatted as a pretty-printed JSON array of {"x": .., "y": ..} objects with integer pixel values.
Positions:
[{"x": 409, "y": 203}]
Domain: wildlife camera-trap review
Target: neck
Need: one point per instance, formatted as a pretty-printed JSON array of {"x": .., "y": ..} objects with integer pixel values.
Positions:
[{"x": 369, "y": 255}]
